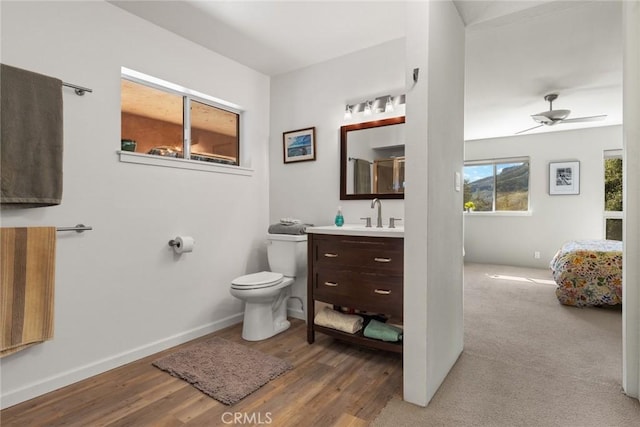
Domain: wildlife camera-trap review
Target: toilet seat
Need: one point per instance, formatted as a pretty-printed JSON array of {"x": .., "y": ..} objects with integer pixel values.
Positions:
[{"x": 263, "y": 279}]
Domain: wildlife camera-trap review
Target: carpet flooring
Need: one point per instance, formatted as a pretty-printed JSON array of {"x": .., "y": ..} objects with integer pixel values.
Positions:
[
  {"x": 527, "y": 360},
  {"x": 222, "y": 369}
]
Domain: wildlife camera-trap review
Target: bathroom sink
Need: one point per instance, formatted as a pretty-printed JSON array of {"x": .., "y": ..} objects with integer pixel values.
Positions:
[{"x": 358, "y": 230}]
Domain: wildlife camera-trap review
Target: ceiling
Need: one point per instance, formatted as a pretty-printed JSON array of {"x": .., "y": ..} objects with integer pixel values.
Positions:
[{"x": 516, "y": 51}]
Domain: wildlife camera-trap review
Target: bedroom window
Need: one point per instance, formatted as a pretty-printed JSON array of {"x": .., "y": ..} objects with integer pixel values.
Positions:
[
  {"x": 613, "y": 195},
  {"x": 162, "y": 119},
  {"x": 497, "y": 185}
]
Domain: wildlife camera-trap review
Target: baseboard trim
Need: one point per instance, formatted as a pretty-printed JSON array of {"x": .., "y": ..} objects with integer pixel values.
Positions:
[{"x": 35, "y": 389}]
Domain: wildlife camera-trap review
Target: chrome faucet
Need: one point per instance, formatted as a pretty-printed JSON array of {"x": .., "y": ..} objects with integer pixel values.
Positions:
[{"x": 373, "y": 204}]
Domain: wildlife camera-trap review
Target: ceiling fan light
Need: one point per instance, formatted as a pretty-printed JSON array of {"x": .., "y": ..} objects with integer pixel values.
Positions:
[
  {"x": 560, "y": 114},
  {"x": 542, "y": 119},
  {"x": 551, "y": 116}
]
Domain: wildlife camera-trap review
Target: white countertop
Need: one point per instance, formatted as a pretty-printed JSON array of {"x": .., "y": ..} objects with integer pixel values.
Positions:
[{"x": 358, "y": 230}]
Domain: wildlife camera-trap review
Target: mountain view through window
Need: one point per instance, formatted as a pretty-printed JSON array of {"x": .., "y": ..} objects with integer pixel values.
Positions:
[{"x": 497, "y": 186}]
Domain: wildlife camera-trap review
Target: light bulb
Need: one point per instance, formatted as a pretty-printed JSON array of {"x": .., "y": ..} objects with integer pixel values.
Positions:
[
  {"x": 389, "y": 107},
  {"x": 367, "y": 108}
]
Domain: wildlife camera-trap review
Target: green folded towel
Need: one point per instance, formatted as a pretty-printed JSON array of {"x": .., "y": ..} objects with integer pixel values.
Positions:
[{"x": 381, "y": 331}]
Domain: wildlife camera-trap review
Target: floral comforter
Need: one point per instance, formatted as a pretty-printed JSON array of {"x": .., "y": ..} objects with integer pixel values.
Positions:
[{"x": 588, "y": 272}]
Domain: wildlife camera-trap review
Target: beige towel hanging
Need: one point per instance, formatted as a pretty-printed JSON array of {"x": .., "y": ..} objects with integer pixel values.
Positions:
[{"x": 26, "y": 287}]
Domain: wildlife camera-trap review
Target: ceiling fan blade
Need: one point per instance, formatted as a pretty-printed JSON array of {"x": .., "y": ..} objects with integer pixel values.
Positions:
[
  {"x": 585, "y": 119},
  {"x": 527, "y": 130}
]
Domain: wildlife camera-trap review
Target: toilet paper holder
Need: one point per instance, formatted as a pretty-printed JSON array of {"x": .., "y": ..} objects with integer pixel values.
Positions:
[{"x": 182, "y": 244}]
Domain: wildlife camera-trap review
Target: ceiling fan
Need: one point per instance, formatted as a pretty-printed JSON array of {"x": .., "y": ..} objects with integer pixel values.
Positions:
[{"x": 554, "y": 117}]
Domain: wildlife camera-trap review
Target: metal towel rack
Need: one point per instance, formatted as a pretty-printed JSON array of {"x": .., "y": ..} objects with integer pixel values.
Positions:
[
  {"x": 356, "y": 158},
  {"x": 78, "y": 89},
  {"x": 78, "y": 228}
]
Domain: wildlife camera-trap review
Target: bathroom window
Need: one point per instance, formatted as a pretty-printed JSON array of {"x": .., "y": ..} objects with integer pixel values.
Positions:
[
  {"x": 162, "y": 119},
  {"x": 497, "y": 185}
]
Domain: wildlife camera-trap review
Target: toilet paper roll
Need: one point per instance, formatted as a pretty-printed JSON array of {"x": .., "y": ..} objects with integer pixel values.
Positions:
[{"x": 183, "y": 244}]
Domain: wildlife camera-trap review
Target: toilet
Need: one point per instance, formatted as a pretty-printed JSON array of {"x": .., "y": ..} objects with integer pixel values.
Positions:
[{"x": 266, "y": 293}]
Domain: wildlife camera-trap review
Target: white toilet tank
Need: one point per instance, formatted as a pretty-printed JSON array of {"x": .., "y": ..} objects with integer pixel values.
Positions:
[{"x": 287, "y": 253}]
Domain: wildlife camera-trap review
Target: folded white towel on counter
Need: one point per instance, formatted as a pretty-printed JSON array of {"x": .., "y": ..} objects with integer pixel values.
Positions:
[{"x": 349, "y": 323}]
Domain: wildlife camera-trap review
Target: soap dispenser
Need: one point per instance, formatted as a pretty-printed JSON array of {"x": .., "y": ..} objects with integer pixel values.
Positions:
[{"x": 339, "y": 218}]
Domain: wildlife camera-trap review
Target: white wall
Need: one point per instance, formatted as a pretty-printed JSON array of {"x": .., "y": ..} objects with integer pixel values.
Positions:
[
  {"x": 120, "y": 291},
  {"x": 433, "y": 278},
  {"x": 316, "y": 96},
  {"x": 630, "y": 286},
  {"x": 513, "y": 239}
]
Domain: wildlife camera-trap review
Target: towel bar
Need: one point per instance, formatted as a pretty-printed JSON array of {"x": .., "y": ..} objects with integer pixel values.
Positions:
[
  {"x": 78, "y": 89},
  {"x": 79, "y": 228}
]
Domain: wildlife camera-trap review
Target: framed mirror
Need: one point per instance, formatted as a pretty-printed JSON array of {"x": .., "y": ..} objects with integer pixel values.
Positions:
[{"x": 372, "y": 160}]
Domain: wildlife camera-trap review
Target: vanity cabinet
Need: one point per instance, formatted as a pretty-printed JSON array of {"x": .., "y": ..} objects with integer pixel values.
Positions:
[{"x": 356, "y": 272}]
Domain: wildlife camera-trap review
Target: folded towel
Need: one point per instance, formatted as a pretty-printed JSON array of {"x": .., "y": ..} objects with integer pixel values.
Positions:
[
  {"x": 289, "y": 221},
  {"x": 26, "y": 287},
  {"x": 382, "y": 331},
  {"x": 297, "y": 228},
  {"x": 349, "y": 323},
  {"x": 31, "y": 134}
]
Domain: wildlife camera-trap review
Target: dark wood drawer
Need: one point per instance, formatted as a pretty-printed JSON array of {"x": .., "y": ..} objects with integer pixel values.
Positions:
[
  {"x": 361, "y": 252},
  {"x": 377, "y": 293}
]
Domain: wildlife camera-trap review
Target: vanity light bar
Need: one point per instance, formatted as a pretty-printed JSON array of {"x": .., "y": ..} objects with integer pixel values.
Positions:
[{"x": 381, "y": 104}]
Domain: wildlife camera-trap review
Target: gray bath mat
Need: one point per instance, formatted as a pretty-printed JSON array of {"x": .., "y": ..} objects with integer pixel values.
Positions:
[{"x": 223, "y": 369}]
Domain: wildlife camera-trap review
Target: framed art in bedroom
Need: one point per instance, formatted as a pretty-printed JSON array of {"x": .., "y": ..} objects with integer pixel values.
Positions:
[
  {"x": 564, "y": 178},
  {"x": 299, "y": 145}
]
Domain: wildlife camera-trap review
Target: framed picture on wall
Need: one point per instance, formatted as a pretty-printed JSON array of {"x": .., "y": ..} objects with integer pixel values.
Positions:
[
  {"x": 564, "y": 178},
  {"x": 299, "y": 145}
]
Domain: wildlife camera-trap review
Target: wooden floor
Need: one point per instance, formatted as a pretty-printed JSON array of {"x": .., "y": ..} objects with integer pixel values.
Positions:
[{"x": 332, "y": 384}]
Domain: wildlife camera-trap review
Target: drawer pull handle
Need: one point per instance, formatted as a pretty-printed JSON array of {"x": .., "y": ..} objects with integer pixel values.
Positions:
[
  {"x": 330, "y": 255},
  {"x": 382, "y": 259},
  {"x": 332, "y": 284},
  {"x": 382, "y": 291}
]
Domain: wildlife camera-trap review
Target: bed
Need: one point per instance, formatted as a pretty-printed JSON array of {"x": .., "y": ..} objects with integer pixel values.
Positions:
[{"x": 588, "y": 273}]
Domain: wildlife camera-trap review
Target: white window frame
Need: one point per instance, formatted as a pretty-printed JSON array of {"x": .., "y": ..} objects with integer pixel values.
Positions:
[
  {"x": 494, "y": 162},
  {"x": 609, "y": 154},
  {"x": 188, "y": 95}
]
